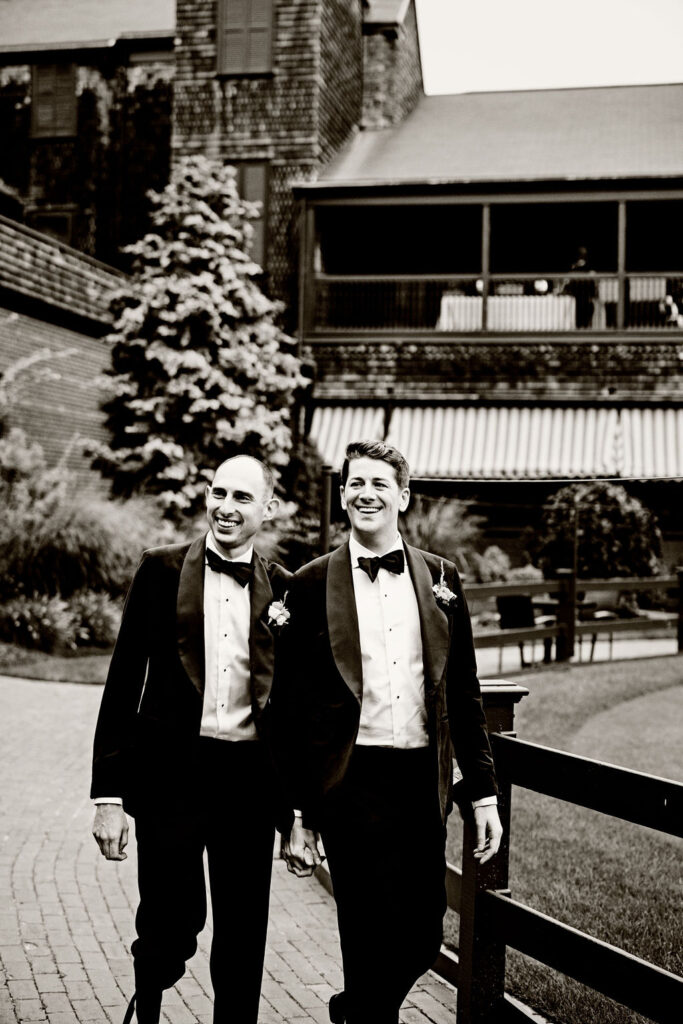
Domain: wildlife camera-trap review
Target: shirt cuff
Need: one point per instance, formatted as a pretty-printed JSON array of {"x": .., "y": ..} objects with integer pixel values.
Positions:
[
  {"x": 108, "y": 800},
  {"x": 485, "y": 801}
]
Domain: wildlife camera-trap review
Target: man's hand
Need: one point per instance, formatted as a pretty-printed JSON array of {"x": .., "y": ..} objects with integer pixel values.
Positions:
[
  {"x": 489, "y": 832},
  {"x": 110, "y": 829},
  {"x": 300, "y": 850}
]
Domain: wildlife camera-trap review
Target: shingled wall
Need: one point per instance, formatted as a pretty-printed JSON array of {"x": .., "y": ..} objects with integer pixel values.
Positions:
[
  {"x": 53, "y": 299},
  {"x": 295, "y": 117}
]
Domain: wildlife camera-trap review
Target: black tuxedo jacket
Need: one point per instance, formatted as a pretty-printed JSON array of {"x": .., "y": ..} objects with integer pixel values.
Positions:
[
  {"x": 319, "y": 690},
  {"x": 151, "y": 707}
]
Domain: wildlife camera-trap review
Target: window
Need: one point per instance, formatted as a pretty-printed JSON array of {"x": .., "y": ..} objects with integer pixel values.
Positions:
[
  {"x": 53, "y": 111},
  {"x": 252, "y": 184},
  {"x": 57, "y": 224},
  {"x": 245, "y": 32}
]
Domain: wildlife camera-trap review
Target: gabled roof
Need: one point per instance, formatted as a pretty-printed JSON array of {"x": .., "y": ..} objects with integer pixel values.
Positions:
[
  {"x": 561, "y": 134},
  {"x": 45, "y": 24}
]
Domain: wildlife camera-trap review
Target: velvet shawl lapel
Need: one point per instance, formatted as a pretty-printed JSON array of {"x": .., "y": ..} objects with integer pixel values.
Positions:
[
  {"x": 190, "y": 613},
  {"x": 433, "y": 620},
  {"x": 261, "y": 641},
  {"x": 190, "y": 623},
  {"x": 342, "y": 620}
]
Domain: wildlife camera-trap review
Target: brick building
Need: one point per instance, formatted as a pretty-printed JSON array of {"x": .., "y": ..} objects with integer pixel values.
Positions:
[
  {"x": 493, "y": 281},
  {"x": 277, "y": 87},
  {"x": 85, "y": 115},
  {"x": 54, "y": 302},
  {"x": 495, "y": 284}
]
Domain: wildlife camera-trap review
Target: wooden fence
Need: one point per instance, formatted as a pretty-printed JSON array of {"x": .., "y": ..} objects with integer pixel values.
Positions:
[
  {"x": 574, "y": 616},
  {"x": 491, "y": 921}
]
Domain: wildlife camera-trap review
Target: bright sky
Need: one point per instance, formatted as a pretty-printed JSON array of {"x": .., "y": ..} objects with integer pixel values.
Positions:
[{"x": 486, "y": 45}]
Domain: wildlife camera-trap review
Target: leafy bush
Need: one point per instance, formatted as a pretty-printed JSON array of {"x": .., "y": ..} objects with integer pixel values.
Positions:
[
  {"x": 445, "y": 527},
  {"x": 40, "y": 622},
  {"x": 75, "y": 545},
  {"x": 52, "y": 624},
  {"x": 97, "y": 618},
  {"x": 615, "y": 534}
]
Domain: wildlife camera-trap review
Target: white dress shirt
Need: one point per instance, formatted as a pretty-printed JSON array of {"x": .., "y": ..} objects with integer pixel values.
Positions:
[{"x": 393, "y": 712}]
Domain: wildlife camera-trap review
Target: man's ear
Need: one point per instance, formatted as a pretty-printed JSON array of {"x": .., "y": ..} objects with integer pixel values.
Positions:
[
  {"x": 207, "y": 492},
  {"x": 404, "y": 499},
  {"x": 271, "y": 508},
  {"x": 343, "y": 499}
]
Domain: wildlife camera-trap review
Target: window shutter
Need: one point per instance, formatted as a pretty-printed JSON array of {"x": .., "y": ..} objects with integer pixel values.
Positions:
[
  {"x": 244, "y": 36},
  {"x": 54, "y": 100},
  {"x": 260, "y": 36},
  {"x": 253, "y": 186}
]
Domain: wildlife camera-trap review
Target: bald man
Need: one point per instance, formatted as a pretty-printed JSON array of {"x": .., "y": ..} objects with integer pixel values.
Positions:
[{"x": 182, "y": 745}]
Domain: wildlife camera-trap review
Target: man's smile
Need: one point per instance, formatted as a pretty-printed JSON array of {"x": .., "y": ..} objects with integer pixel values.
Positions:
[{"x": 227, "y": 524}]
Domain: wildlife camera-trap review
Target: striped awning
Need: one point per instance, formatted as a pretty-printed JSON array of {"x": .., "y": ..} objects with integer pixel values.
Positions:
[{"x": 513, "y": 442}]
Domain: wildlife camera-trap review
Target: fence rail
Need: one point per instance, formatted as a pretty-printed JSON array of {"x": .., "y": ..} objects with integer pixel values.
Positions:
[
  {"x": 497, "y": 303},
  {"x": 574, "y": 617},
  {"x": 491, "y": 920}
]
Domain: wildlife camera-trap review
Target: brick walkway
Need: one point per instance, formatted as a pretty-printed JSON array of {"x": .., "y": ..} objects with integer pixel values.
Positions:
[{"x": 66, "y": 914}]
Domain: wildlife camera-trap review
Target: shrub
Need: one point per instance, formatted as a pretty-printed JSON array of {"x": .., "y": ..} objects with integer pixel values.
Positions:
[
  {"x": 445, "y": 527},
  {"x": 39, "y": 622},
  {"x": 76, "y": 545},
  {"x": 97, "y": 618},
  {"x": 615, "y": 534}
]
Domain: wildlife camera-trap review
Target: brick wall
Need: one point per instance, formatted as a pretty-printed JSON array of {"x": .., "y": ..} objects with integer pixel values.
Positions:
[
  {"x": 59, "y": 408},
  {"x": 294, "y": 118},
  {"x": 392, "y": 74},
  {"x": 341, "y": 83},
  {"x": 269, "y": 117},
  {"x": 53, "y": 298}
]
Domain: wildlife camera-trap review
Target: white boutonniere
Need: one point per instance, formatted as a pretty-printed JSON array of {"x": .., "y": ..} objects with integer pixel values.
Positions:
[
  {"x": 278, "y": 613},
  {"x": 445, "y": 597}
]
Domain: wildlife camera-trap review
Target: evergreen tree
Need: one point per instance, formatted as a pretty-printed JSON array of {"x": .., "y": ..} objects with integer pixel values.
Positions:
[{"x": 200, "y": 369}]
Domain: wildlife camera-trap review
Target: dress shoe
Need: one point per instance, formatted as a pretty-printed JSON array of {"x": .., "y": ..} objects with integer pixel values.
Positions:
[{"x": 336, "y": 1009}]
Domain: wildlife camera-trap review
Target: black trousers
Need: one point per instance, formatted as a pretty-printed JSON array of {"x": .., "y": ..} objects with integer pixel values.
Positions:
[
  {"x": 385, "y": 844},
  {"x": 226, "y": 810}
]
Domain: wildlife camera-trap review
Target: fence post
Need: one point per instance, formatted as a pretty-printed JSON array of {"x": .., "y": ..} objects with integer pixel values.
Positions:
[
  {"x": 679, "y": 573},
  {"x": 566, "y": 614},
  {"x": 325, "y": 509},
  {"x": 481, "y": 953}
]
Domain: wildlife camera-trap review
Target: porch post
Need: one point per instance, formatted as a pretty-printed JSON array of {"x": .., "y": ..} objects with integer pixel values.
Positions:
[
  {"x": 566, "y": 614},
  {"x": 621, "y": 266},
  {"x": 679, "y": 573},
  {"x": 481, "y": 954},
  {"x": 485, "y": 262}
]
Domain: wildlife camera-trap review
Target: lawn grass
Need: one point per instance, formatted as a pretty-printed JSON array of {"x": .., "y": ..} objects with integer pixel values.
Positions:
[
  {"x": 83, "y": 666},
  {"x": 616, "y": 881}
]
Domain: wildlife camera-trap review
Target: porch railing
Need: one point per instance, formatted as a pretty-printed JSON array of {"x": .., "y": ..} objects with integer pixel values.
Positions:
[
  {"x": 498, "y": 303},
  {"x": 491, "y": 920}
]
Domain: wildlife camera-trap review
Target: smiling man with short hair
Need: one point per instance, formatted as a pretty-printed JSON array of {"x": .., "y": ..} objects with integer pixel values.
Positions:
[
  {"x": 379, "y": 686},
  {"x": 182, "y": 744}
]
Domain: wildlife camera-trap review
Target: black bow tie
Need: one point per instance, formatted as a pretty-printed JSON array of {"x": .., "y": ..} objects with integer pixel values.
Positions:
[
  {"x": 394, "y": 561},
  {"x": 240, "y": 571}
]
